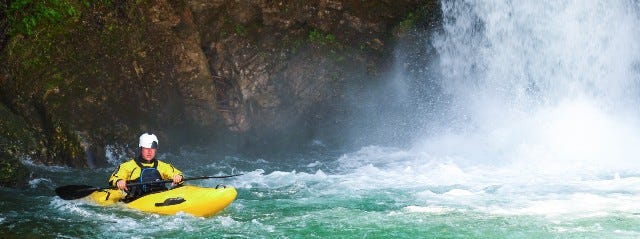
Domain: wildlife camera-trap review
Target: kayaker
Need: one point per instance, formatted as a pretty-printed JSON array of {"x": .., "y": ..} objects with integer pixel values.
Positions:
[{"x": 144, "y": 168}]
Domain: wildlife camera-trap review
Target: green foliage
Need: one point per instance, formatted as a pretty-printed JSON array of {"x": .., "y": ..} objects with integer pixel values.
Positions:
[
  {"x": 108, "y": 3},
  {"x": 319, "y": 37},
  {"x": 408, "y": 22},
  {"x": 327, "y": 40},
  {"x": 55, "y": 81},
  {"x": 296, "y": 46},
  {"x": 12, "y": 172},
  {"x": 25, "y": 16},
  {"x": 241, "y": 30}
]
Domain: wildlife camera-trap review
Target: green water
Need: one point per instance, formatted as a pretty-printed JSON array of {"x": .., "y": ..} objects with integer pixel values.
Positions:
[{"x": 364, "y": 195}]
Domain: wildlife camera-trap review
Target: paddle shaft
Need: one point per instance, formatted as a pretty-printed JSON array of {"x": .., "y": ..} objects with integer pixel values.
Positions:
[
  {"x": 70, "y": 192},
  {"x": 184, "y": 179},
  {"x": 171, "y": 180}
]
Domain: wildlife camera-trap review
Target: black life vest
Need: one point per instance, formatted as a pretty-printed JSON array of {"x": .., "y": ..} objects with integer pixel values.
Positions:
[{"x": 147, "y": 174}]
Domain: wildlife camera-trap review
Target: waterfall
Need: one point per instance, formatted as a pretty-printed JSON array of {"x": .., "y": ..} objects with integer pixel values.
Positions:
[{"x": 547, "y": 84}]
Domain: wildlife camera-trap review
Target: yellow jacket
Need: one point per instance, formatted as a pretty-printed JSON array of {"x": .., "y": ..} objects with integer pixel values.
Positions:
[{"x": 129, "y": 171}]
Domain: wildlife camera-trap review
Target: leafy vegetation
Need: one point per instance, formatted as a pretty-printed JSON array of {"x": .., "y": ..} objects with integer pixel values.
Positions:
[
  {"x": 241, "y": 30},
  {"x": 408, "y": 22},
  {"x": 12, "y": 173},
  {"x": 25, "y": 16},
  {"x": 317, "y": 36}
]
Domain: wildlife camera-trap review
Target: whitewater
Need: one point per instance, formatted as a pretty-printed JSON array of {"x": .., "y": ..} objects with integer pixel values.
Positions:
[{"x": 534, "y": 134}]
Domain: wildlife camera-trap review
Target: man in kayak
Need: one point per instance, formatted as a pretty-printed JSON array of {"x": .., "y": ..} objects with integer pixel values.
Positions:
[{"x": 144, "y": 168}]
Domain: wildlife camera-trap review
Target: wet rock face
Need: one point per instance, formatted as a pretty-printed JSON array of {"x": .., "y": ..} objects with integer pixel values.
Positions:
[
  {"x": 191, "y": 72},
  {"x": 275, "y": 60},
  {"x": 15, "y": 139},
  {"x": 12, "y": 172}
]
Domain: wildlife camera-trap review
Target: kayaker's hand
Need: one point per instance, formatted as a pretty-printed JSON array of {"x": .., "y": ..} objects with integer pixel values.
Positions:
[
  {"x": 122, "y": 185},
  {"x": 177, "y": 179}
]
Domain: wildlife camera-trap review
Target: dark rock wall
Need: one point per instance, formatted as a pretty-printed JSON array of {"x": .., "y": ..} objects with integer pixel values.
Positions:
[{"x": 239, "y": 72}]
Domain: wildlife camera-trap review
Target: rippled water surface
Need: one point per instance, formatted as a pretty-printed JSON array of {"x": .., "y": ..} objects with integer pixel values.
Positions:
[{"x": 373, "y": 193}]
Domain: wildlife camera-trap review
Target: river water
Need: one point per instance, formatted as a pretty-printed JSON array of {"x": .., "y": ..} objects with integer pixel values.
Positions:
[{"x": 534, "y": 134}]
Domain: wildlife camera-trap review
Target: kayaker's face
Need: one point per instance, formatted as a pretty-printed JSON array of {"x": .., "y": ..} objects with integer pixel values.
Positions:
[{"x": 148, "y": 153}]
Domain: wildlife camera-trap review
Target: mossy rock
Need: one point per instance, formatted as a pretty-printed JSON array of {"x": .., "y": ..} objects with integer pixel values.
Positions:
[
  {"x": 12, "y": 172},
  {"x": 15, "y": 142}
]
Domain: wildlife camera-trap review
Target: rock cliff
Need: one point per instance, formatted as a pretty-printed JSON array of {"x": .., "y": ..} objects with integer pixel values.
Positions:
[{"x": 78, "y": 76}]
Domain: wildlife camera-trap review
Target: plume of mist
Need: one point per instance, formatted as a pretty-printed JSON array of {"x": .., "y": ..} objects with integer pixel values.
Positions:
[
  {"x": 542, "y": 85},
  {"x": 553, "y": 86}
]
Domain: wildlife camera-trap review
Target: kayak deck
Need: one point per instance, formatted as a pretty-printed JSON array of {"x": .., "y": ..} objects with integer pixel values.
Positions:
[{"x": 197, "y": 201}]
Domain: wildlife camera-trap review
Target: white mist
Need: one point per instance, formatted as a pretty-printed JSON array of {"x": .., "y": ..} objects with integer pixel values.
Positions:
[{"x": 547, "y": 86}]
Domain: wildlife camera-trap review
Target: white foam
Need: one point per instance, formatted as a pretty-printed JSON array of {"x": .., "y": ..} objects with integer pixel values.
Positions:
[
  {"x": 580, "y": 205},
  {"x": 429, "y": 209},
  {"x": 629, "y": 185},
  {"x": 74, "y": 207},
  {"x": 30, "y": 163},
  {"x": 278, "y": 179},
  {"x": 268, "y": 228},
  {"x": 314, "y": 164},
  {"x": 496, "y": 189},
  {"x": 36, "y": 182},
  {"x": 459, "y": 192}
]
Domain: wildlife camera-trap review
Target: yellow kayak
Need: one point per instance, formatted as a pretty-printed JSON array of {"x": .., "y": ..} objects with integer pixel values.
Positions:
[{"x": 197, "y": 201}]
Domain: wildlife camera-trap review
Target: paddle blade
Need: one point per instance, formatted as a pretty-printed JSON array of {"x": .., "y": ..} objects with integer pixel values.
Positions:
[{"x": 71, "y": 192}]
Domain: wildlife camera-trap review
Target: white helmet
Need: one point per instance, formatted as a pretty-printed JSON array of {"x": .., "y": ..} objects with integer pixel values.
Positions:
[{"x": 148, "y": 140}]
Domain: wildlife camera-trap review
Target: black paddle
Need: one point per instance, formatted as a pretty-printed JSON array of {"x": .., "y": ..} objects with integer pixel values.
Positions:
[{"x": 71, "y": 192}]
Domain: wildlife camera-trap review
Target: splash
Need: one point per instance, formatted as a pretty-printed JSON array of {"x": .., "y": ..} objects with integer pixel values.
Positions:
[{"x": 550, "y": 86}]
